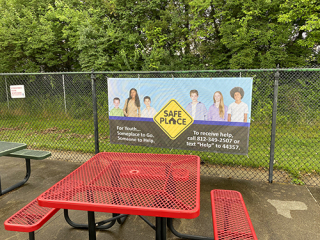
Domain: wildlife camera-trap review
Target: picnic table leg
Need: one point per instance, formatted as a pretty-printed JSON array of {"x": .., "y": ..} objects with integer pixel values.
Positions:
[
  {"x": 92, "y": 226},
  {"x": 164, "y": 228},
  {"x": 161, "y": 228},
  {"x": 122, "y": 219},
  {"x": 100, "y": 225},
  {"x": 31, "y": 236},
  {"x": 26, "y": 178},
  {"x": 184, "y": 236},
  {"x": 147, "y": 222}
]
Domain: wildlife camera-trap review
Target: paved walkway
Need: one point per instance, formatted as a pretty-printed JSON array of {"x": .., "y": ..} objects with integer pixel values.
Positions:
[{"x": 277, "y": 211}]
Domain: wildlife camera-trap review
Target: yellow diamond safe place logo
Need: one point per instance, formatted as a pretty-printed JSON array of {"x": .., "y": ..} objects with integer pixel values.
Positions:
[{"x": 173, "y": 119}]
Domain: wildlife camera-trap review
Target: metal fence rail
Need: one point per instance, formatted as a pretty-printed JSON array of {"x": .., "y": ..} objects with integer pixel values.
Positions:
[{"x": 57, "y": 115}]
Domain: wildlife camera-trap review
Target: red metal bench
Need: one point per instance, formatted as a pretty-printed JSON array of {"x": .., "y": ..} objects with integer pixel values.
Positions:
[
  {"x": 230, "y": 216},
  {"x": 30, "y": 218}
]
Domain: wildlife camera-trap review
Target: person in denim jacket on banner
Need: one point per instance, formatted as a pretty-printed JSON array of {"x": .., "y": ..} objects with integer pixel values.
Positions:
[{"x": 196, "y": 109}]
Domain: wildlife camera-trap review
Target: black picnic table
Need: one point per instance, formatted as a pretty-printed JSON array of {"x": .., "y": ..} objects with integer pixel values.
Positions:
[
  {"x": 9, "y": 147},
  {"x": 18, "y": 150}
]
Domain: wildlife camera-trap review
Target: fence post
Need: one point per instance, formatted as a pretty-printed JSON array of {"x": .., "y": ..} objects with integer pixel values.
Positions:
[
  {"x": 95, "y": 115},
  {"x": 64, "y": 95},
  {"x": 5, "y": 80},
  {"x": 274, "y": 123}
]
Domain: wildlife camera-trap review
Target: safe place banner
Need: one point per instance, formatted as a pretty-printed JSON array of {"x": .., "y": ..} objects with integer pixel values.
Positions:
[{"x": 202, "y": 114}]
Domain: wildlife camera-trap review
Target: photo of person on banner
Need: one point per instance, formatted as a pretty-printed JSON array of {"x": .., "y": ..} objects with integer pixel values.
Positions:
[
  {"x": 116, "y": 111},
  {"x": 149, "y": 111},
  {"x": 217, "y": 111},
  {"x": 132, "y": 105},
  {"x": 196, "y": 109},
  {"x": 238, "y": 110}
]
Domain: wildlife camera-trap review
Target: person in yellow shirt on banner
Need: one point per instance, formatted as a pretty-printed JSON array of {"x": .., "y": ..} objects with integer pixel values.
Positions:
[{"x": 132, "y": 105}]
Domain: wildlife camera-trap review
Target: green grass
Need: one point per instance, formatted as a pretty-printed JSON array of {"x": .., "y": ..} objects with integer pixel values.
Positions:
[
  {"x": 61, "y": 133},
  {"x": 296, "y": 151}
]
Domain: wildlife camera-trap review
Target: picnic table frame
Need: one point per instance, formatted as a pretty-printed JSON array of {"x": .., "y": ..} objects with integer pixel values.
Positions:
[
  {"x": 5, "y": 149},
  {"x": 18, "y": 150},
  {"x": 159, "y": 185}
]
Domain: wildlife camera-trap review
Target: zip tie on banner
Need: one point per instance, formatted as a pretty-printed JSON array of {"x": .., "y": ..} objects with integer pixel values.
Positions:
[
  {"x": 138, "y": 76},
  {"x": 172, "y": 77}
]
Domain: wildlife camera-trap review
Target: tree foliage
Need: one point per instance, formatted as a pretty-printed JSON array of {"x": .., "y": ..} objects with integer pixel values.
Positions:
[
  {"x": 304, "y": 15},
  {"x": 122, "y": 35}
]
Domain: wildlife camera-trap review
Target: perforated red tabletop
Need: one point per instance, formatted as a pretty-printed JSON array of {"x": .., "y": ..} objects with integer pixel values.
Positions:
[{"x": 161, "y": 185}]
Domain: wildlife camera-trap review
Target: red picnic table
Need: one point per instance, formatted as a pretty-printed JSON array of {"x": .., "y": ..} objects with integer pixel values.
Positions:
[{"x": 165, "y": 186}]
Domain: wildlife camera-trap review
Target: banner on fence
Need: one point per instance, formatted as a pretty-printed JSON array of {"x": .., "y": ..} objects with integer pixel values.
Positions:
[{"x": 201, "y": 114}]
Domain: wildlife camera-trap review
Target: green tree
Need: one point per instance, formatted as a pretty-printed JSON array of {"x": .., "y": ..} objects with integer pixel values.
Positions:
[
  {"x": 89, "y": 32},
  {"x": 122, "y": 35},
  {"x": 305, "y": 16},
  {"x": 29, "y": 40},
  {"x": 247, "y": 34}
]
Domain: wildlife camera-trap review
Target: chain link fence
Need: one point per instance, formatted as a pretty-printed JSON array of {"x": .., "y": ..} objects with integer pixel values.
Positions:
[{"x": 57, "y": 115}]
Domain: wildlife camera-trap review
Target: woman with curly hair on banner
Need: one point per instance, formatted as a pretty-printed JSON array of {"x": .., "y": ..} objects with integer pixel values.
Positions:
[
  {"x": 218, "y": 111},
  {"x": 132, "y": 105}
]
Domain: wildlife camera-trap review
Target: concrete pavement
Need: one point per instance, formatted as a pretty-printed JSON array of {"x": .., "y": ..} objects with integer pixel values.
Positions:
[{"x": 277, "y": 211}]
